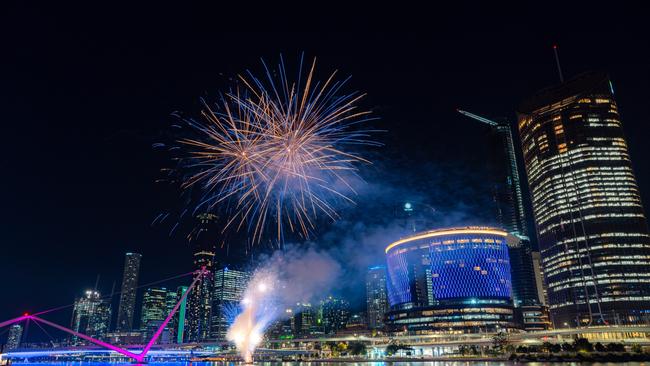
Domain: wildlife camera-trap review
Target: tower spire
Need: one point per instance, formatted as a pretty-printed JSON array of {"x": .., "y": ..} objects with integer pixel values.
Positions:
[{"x": 557, "y": 62}]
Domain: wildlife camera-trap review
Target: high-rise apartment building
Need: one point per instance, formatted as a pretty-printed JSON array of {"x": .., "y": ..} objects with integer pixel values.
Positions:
[
  {"x": 126, "y": 308},
  {"x": 376, "y": 296},
  {"x": 199, "y": 310},
  {"x": 14, "y": 337},
  {"x": 91, "y": 315},
  {"x": 592, "y": 231},
  {"x": 154, "y": 311},
  {"x": 229, "y": 286},
  {"x": 335, "y": 314}
]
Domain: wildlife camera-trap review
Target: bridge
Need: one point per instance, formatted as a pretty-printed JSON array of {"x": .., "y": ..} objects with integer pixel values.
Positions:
[
  {"x": 604, "y": 334},
  {"x": 137, "y": 355}
]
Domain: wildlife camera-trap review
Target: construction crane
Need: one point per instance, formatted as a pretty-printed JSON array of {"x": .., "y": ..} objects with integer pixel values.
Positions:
[{"x": 478, "y": 118}]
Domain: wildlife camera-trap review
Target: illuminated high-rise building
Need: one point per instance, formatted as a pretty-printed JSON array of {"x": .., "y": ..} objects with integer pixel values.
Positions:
[
  {"x": 510, "y": 212},
  {"x": 199, "y": 311},
  {"x": 335, "y": 314},
  {"x": 14, "y": 337},
  {"x": 592, "y": 231},
  {"x": 91, "y": 315},
  {"x": 179, "y": 320},
  {"x": 126, "y": 308},
  {"x": 229, "y": 286},
  {"x": 154, "y": 311},
  {"x": 376, "y": 296}
]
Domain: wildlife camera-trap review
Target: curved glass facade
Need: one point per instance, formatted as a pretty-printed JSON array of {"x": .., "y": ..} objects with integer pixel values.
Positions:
[
  {"x": 446, "y": 278},
  {"x": 448, "y": 264}
]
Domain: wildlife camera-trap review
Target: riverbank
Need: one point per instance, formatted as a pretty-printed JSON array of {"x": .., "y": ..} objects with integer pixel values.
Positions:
[{"x": 581, "y": 357}]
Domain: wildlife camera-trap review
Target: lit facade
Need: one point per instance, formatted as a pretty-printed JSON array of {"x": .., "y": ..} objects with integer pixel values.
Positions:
[
  {"x": 154, "y": 310},
  {"x": 450, "y": 280},
  {"x": 592, "y": 231},
  {"x": 335, "y": 313},
  {"x": 199, "y": 309},
  {"x": 91, "y": 315},
  {"x": 126, "y": 308},
  {"x": 14, "y": 337},
  {"x": 229, "y": 286},
  {"x": 376, "y": 296},
  {"x": 179, "y": 320}
]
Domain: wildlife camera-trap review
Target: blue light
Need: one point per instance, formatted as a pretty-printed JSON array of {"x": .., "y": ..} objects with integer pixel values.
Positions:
[{"x": 408, "y": 206}]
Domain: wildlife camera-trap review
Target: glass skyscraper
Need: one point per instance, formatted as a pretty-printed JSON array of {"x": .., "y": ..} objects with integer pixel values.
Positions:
[
  {"x": 127, "y": 297},
  {"x": 335, "y": 313},
  {"x": 154, "y": 311},
  {"x": 14, "y": 337},
  {"x": 199, "y": 310},
  {"x": 592, "y": 231},
  {"x": 229, "y": 286},
  {"x": 376, "y": 296},
  {"x": 91, "y": 315}
]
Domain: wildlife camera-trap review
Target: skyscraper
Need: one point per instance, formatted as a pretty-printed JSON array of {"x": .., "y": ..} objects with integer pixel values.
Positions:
[
  {"x": 127, "y": 296},
  {"x": 14, "y": 337},
  {"x": 229, "y": 286},
  {"x": 199, "y": 311},
  {"x": 91, "y": 315},
  {"x": 376, "y": 296},
  {"x": 510, "y": 212},
  {"x": 335, "y": 314},
  {"x": 154, "y": 310},
  {"x": 593, "y": 234},
  {"x": 179, "y": 319}
]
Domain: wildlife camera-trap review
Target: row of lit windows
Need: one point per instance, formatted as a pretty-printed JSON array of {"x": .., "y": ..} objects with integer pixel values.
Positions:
[{"x": 602, "y": 299}]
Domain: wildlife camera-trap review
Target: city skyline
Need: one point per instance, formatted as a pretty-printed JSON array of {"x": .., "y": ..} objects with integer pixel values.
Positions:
[{"x": 432, "y": 160}]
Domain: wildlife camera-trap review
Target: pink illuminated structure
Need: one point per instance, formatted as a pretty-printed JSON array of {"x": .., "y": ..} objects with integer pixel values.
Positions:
[{"x": 139, "y": 357}]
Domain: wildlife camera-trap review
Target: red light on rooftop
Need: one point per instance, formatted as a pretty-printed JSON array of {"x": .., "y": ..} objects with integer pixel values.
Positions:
[
  {"x": 554, "y": 46},
  {"x": 25, "y": 314}
]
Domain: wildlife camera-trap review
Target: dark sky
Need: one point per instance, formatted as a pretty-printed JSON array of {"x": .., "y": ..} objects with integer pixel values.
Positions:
[{"x": 84, "y": 95}]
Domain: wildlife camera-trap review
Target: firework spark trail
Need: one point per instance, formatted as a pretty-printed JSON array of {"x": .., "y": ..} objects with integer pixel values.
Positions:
[{"x": 276, "y": 151}]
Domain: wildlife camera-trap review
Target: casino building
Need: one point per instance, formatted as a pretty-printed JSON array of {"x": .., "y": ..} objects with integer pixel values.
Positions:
[{"x": 450, "y": 280}]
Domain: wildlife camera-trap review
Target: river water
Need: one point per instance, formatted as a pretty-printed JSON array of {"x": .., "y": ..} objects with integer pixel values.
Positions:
[{"x": 369, "y": 363}]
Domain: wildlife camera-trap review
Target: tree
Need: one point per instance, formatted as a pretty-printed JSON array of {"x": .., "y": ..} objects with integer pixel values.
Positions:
[
  {"x": 357, "y": 348},
  {"x": 499, "y": 340},
  {"x": 546, "y": 346},
  {"x": 582, "y": 345},
  {"x": 556, "y": 348},
  {"x": 567, "y": 347},
  {"x": 615, "y": 347},
  {"x": 636, "y": 348},
  {"x": 599, "y": 347},
  {"x": 522, "y": 349}
]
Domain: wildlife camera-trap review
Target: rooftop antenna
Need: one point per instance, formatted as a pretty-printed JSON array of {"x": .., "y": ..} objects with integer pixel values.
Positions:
[
  {"x": 97, "y": 282},
  {"x": 557, "y": 62}
]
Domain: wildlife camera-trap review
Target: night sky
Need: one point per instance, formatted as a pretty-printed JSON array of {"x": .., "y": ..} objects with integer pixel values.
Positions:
[{"x": 84, "y": 96}]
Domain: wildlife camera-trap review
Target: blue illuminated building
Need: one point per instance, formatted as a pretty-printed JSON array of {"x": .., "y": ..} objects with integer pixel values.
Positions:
[{"x": 456, "y": 280}]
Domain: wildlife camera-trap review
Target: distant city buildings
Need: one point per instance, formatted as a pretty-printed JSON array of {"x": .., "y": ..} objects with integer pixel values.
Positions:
[
  {"x": 335, "y": 313},
  {"x": 593, "y": 234},
  {"x": 376, "y": 296},
  {"x": 125, "y": 312},
  {"x": 14, "y": 338},
  {"x": 199, "y": 309},
  {"x": 229, "y": 286},
  {"x": 91, "y": 315},
  {"x": 154, "y": 311},
  {"x": 179, "y": 320}
]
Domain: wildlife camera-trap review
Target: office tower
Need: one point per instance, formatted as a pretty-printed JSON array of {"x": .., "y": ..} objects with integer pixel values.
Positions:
[
  {"x": 179, "y": 319},
  {"x": 376, "y": 296},
  {"x": 335, "y": 314},
  {"x": 15, "y": 335},
  {"x": 203, "y": 240},
  {"x": 127, "y": 297},
  {"x": 303, "y": 320},
  {"x": 91, "y": 315},
  {"x": 510, "y": 212},
  {"x": 593, "y": 234},
  {"x": 539, "y": 279},
  {"x": 229, "y": 286},
  {"x": 154, "y": 310}
]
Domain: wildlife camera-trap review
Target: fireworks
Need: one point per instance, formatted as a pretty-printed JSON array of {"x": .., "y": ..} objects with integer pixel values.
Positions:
[{"x": 276, "y": 153}]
